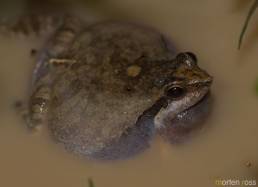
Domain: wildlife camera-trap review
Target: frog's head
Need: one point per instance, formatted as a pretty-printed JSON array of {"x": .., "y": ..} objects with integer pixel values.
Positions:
[{"x": 187, "y": 84}]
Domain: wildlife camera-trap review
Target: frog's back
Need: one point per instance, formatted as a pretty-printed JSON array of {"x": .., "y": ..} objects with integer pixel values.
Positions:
[{"x": 98, "y": 102}]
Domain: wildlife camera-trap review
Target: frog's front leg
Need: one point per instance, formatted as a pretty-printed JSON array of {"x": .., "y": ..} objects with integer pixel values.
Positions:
[
  {"x": 38, "y": 107},
  {"x": 41, "y": 97}
]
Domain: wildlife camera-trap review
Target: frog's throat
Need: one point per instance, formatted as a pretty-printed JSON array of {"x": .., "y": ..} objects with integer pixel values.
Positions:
[{"x": 159, "y": 119}]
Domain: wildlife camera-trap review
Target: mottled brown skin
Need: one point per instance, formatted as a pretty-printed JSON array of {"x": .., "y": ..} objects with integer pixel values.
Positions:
[{"x": 104, "y": 89}]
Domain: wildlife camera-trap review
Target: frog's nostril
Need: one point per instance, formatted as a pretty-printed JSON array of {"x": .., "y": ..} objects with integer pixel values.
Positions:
[{"x": 209, "y": 79}]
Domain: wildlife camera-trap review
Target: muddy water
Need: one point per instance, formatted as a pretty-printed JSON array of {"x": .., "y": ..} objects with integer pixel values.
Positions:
[{"x": 219, "y": 151}]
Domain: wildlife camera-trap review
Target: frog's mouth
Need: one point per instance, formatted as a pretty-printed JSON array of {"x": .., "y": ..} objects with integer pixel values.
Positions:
[
  {"x": 201, "y": 106},
  {"x": 176, "y": 129},
  {"x": 177, "y": 107}
]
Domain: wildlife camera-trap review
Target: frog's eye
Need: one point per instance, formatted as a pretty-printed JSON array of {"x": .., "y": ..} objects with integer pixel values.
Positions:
[
  {"x": 188, "y": 58},
  {"x": 175, "y": 92},
  {"x": 192, "y": 56}
]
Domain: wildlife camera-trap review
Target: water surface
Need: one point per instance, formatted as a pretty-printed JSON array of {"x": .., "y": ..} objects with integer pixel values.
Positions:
[{"x": 219, "y": 151}]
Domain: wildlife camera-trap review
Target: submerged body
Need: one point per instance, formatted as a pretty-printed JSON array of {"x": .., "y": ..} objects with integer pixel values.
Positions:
[{"x": 105, "y": 89}]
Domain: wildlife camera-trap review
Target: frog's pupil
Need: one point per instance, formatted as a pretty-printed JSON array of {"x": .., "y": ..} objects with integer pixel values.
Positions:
[{"x": 175, "y": 92}]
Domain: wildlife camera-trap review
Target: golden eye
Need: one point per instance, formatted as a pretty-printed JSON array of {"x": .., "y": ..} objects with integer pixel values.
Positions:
[{"x": 175, "y": 92}]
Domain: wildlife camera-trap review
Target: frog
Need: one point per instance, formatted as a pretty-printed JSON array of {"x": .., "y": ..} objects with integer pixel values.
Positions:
[{"x": 106, "y": 89}]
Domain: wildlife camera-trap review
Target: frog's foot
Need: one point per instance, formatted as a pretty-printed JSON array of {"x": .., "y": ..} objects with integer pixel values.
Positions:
[
  {"x": 35, "y": 113},
  {"x": 23, "y": 111},
  {"x": 38, "y": 107},
  {"x": 32, "y": 124}
]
